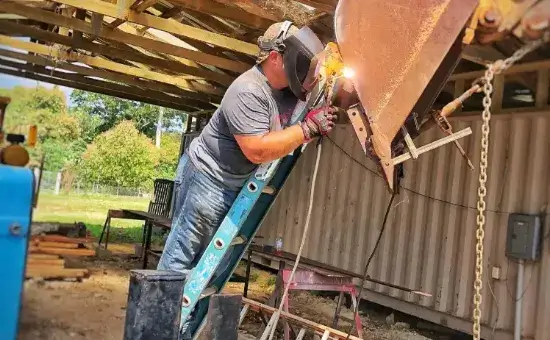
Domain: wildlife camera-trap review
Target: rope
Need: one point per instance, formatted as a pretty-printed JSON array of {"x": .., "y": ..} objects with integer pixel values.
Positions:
[{"x": 272, "y": 324}]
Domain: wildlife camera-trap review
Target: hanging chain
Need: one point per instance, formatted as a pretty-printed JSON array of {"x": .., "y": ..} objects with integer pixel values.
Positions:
[{"x": 493, "y": 69}]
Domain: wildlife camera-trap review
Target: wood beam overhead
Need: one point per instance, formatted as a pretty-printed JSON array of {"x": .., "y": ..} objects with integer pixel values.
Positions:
[
  {"x": 113, "y": 52},
  {"x": 151, "y": 87},
  {"x": 87, "y": 87},
  {"x": 166, "y": 99},
  {"x": 328, "y": 6},
  {"x": 236, "y": 14},
  {"x": 167, "y": 25},
  {"x": 122, "y": 37},
  {"x": 109, "y": 65},
  {"x": 138, "y": 6}
]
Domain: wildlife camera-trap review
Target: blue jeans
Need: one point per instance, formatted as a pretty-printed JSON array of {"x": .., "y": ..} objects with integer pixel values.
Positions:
[{"x": 200, "y": 206}]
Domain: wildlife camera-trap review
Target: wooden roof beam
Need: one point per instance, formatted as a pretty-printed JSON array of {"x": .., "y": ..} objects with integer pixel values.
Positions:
[
  {"x": 106, "y": 90},
  {"x": 109, "y": 65},
  {"x": 328, "y": 6},
  {"x": 122, "y": 37},
  {"x": 113, "y": 52},
  {"x": 218, "y": 9},
  {"x": 188, "y": 97},
  {"x": 180, "y": 102},
  {"x": 138, "y": 6},
  {"x": 167, "y": 25}
]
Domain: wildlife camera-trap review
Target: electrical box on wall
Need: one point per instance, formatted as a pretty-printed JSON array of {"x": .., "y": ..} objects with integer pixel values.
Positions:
[{"x": 523, "y": 240}]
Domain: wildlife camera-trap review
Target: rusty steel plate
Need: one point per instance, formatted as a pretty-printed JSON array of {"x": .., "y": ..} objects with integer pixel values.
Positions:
[{"x": 395, "y": 47}]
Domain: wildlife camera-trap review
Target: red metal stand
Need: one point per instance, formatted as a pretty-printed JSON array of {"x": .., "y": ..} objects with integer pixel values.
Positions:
[{"x": 313, "y": 281}]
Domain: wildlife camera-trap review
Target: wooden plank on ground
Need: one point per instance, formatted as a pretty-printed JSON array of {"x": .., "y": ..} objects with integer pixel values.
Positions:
[
  {"x": 61, "y": 251},
  {"x": 46, "y": 244},
  {"x": 48, "y": 272},
  {"x": 42, "y": 257},
  {"x": 61, "y": 238},
  {"x": 46, "y": 262}
]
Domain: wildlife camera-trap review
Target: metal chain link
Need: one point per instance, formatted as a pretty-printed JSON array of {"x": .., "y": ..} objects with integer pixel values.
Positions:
[{"x": 493, "y": 69}]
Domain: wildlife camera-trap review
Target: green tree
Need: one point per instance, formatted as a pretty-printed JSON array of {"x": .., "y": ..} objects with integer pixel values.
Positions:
[
  {"x": 168, "y": 155},
  {"x": 59, "y": 131},
  {"x": 121, "y": 156},
  {"x": 112, "y": 110}
]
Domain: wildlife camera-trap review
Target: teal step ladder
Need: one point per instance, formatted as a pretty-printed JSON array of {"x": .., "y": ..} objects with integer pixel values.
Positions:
[{"x": 238, "y": 229}]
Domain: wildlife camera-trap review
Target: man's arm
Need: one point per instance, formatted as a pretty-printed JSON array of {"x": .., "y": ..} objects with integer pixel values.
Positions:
[
  {"x": 272, "y": 145},
  {"x": 248, "y": 118}
]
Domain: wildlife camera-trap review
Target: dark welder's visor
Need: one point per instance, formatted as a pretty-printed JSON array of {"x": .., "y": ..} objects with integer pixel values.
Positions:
[{"x": 301, "y": 61}]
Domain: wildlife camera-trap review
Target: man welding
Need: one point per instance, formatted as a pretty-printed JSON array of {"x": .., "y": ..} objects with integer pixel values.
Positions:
[{"x": 248, "y": 128}]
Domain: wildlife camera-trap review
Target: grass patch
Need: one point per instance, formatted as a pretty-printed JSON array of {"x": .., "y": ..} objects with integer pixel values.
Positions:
[{"x": 89, "y": 209}]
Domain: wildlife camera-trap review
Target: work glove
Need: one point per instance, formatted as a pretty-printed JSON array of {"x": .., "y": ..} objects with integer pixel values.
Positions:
[{"x": 319, "y": 122}]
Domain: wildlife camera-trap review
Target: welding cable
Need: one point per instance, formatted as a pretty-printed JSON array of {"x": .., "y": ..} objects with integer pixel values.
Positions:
[
  {"x": 272, "y": 324},
  {"x": 373, "y": 252}
]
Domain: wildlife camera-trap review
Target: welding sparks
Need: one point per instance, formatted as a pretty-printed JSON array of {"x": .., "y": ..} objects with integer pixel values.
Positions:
[{"x": 348, "y": 72}]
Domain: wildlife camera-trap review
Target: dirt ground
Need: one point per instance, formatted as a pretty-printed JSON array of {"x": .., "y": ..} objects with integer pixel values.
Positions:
[{"x": 95, "y": 307}]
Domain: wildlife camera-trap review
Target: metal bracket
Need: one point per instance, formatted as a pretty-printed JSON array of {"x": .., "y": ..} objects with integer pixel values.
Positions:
[
  {"x": 434, "y": 145},
  {"x": 410, "y": 144}
]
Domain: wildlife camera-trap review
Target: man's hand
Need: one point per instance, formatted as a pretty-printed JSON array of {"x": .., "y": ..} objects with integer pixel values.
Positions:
[{"x": 319, "y": 122}]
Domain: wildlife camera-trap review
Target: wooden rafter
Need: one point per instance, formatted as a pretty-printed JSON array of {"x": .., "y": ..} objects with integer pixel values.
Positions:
[
  {"x": 138, "y": 6},
  {"x": 179, "y": 102},
  {"x": 122, "y": 37},
  {"x": 215, "y": 8},
  {"x": 167, "y": 25},
  {"x": 108, "y": 51},
  {"x": 107, "y": 90},
  {"x": 328, "y": 6},
  {"x": 109, "y": 65},
  {"x": 187, "y": 98}
]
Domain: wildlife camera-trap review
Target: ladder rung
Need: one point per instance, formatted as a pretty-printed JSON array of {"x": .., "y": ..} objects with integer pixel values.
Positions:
[
  {"x": 244, "y": 311},
  {"x": 268, "y": 190},
  {"x": 238, "y": 240},
  {"x": 208, "y": 291}
]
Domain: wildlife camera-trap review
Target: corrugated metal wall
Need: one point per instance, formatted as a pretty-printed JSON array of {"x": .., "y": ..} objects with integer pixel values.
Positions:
[{"x": 429, "y": 243}]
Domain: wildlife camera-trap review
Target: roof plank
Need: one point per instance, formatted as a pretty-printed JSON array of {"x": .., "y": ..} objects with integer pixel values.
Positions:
[
  {"x": 108, "y": 51},
  {"x": 167, "y": 25},
  {"x": 190, "y": 98},
  {"x": 107, "y": 89},
  {"x": 215, "y": 8},
  {"x": 123, "y": 37},
  {"x": 180, "y": 102},
  {"x": 110, "y": 65}
]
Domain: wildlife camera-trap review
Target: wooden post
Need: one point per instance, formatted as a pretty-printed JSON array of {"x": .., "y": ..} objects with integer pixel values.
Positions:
[{"x": 223, "y": 317}]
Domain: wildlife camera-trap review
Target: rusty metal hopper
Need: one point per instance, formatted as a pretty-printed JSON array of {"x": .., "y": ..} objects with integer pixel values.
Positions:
[{"x": 395, "y": 48}]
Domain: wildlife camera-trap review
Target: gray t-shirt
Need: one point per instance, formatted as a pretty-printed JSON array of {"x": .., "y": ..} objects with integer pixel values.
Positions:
[{"x": 249, "y": 107}]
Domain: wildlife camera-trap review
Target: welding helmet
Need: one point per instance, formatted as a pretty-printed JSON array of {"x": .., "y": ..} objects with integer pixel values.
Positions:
[{"x": 300, "y": 51}]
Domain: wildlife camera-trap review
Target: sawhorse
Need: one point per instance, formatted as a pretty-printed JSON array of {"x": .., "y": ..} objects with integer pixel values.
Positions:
[{"x": 313, "y": 281}]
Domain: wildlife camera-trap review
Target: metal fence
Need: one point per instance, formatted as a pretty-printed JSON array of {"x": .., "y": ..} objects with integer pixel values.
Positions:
[{"x": 57, "y": 182}]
